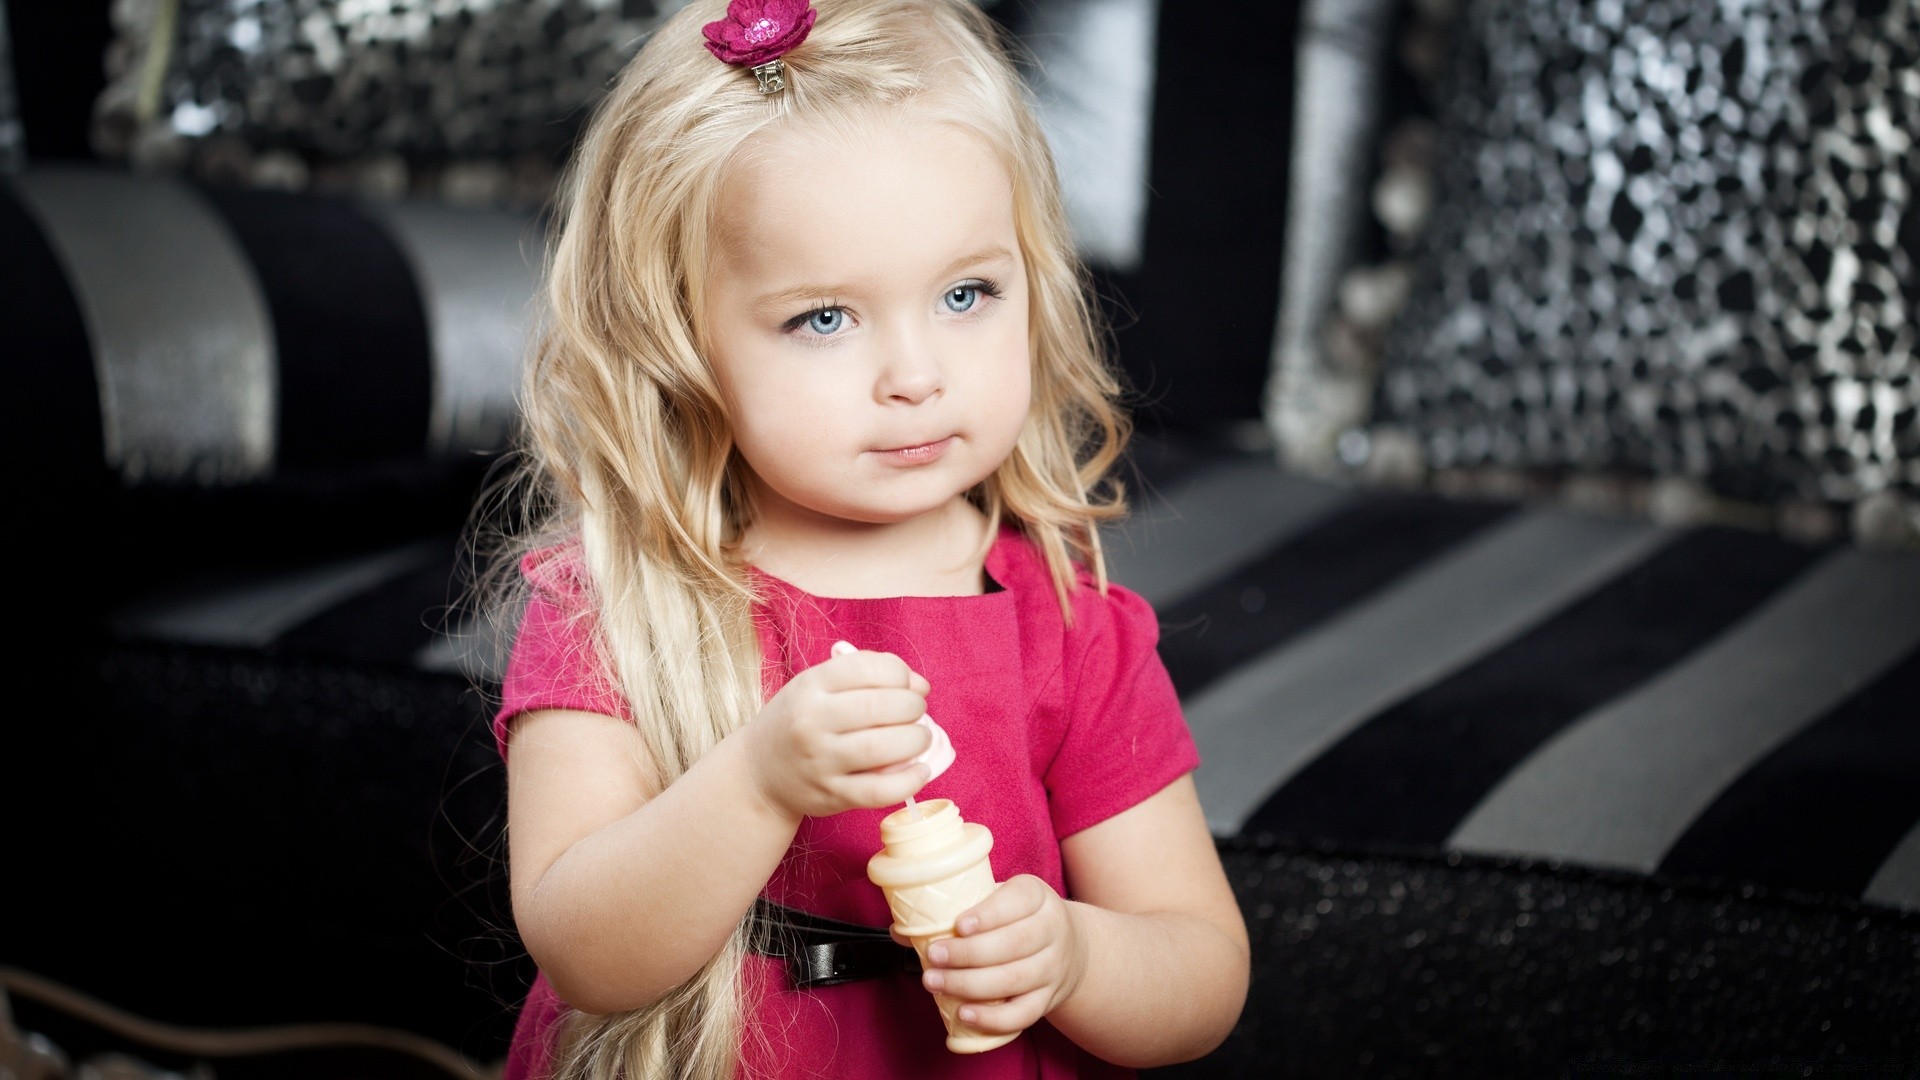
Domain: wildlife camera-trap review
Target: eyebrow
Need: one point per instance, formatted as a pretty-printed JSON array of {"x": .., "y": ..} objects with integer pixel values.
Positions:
[
  {"x": 995, "y": 253},
  {"x": 799, "y": 293}
]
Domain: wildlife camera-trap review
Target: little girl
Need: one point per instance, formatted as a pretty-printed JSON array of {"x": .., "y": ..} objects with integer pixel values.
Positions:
[{"x": 816, "y": 432}]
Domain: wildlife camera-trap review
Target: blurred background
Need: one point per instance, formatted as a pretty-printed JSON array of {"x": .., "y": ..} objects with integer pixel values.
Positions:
[{"x": 1527, "y": 400}]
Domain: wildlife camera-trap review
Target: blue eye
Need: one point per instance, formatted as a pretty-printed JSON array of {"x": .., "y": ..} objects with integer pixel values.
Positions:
[
  {"x": 961, "y": 298},
  {"x": 824, "y": 321}
]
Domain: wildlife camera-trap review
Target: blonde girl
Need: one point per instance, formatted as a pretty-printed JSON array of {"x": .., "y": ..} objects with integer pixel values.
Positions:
[{"x": 817, "y": 368}]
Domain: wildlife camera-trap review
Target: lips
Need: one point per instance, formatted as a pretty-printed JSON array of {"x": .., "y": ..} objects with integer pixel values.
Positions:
[
  {"x": 917, "y": 453},
  {"x": 904, "y": 447}
]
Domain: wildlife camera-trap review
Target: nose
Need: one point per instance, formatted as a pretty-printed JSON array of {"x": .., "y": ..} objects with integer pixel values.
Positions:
[{"x": 913, "y": 372}]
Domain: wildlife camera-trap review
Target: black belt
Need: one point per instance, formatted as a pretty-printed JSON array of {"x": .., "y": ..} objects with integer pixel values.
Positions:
[{"x": 826, "y": 952}]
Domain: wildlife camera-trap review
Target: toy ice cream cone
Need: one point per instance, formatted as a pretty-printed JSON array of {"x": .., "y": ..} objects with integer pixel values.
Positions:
[{"x": 933, "y": 867}]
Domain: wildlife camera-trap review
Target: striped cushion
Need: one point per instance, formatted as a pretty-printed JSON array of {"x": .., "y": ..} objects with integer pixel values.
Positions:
[
  {"x": 213, "y": 336},
  {"x": 1411, "y": 675}
]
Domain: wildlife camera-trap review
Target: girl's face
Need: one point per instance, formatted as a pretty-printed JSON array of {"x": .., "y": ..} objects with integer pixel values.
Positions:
[{"x": 867, "y": 315}]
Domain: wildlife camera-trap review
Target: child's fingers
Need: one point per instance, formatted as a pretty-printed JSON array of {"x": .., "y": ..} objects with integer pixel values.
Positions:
[
  {"x": 869, "y": 708},
  {"x": 878, "y": 747},
  {"x": 990, "y": 983},
  {"x": 1006, "y": 1017},
  {"x": 988, "y": 948},
  {"x": 852, "y": 669},
  {"x": 876, "y": 789},
  {"x": 1012, "y": 900}
]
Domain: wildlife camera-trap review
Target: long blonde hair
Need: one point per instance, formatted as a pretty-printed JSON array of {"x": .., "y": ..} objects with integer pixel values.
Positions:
[{"x": 626, "y": 447}]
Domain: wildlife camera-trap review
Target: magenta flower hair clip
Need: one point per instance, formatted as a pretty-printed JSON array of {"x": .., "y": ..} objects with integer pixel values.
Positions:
[{"x": 757, "y": 33}]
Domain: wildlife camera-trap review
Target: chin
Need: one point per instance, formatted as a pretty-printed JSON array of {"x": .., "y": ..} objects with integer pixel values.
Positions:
[{"x": 892, "y": 511}]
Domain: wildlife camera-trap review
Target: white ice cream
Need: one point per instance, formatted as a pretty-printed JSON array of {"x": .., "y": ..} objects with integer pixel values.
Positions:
[{"x": 939, "y": 756}]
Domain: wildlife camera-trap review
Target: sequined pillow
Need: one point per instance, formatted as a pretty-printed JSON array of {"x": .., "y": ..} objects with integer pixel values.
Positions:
[
  {"x": 1671, "y": 240},
  {"x": 473, "y": 101}
]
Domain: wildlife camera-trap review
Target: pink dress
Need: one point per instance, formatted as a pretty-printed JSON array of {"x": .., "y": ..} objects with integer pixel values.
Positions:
[{"x": 1055, "y": 729}]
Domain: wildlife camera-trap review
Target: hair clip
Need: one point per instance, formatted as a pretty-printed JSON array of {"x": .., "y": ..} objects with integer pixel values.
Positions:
[{"x": 757, "y": 33}]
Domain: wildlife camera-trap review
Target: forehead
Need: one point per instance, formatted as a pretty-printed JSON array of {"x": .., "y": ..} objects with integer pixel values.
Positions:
[{"x": 876, "y": 195}]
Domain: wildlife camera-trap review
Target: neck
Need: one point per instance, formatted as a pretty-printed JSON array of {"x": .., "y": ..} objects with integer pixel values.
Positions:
[{"x": 939, "y": 553}]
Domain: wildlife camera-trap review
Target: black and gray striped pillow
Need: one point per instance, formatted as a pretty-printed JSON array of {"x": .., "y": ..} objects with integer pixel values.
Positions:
[{"x": 207, "y": 336}]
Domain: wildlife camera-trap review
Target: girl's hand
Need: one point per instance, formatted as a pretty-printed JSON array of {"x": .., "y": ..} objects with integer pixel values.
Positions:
[
  {"x": 1018, "y": 955},
  {"x": 841, "y": 735}
]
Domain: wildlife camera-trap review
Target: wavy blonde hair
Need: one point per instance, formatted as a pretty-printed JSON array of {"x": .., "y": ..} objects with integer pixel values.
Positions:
[{"x": 626, "y": 446}]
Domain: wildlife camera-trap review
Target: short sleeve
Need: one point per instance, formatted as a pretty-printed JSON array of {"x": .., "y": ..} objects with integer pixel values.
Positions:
[
  {"x": 554, "y": 664},
  {"x": 1125, "y": 737}
]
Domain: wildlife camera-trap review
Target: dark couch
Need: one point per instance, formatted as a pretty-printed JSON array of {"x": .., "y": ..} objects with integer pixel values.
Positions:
[{"x": 1507, "y": 783}]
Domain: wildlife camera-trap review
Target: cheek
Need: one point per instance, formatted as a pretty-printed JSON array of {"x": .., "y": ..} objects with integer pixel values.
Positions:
[
  {"x": 1014, "y": 379},
  {"x": 776, "y": 417},
  {"x": 761, "y": 426}
]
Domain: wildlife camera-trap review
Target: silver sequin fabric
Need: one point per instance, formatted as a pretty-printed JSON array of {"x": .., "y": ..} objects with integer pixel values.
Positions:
[
  {"x": 412, "y": 84},
  {"x": 1675, "y": 239}
]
